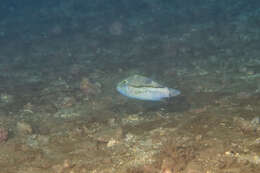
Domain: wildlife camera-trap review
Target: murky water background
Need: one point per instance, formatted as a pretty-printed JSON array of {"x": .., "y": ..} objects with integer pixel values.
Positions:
[{"x": 60, "y": 62}]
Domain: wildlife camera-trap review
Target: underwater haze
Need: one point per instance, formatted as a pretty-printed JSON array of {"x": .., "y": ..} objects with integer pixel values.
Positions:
[{"x": 62, "y": 63}]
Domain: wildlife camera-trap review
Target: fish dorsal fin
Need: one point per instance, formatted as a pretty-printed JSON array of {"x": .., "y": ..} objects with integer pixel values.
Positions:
[{"x": 139, "y": 81}]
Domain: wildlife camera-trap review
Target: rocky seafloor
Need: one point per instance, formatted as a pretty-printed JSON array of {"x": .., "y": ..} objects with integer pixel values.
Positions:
[{"x": 60, "y": 111}]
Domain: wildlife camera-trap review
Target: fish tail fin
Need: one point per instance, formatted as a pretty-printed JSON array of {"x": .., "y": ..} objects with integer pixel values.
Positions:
[{"x": 173, "y": 92}]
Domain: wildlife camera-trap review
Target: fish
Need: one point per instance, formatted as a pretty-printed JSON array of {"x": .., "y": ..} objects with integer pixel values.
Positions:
[{"x": 144, "y": 88}]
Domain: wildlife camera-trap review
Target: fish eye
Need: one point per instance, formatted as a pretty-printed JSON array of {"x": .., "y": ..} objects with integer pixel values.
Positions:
[{"x": 124, "y": 81}]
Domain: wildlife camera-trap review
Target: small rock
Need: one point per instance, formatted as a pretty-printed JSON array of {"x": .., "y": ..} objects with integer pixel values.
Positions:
[
  {"x": 88, "y": 88},
  {"x": 66, "y": 102},
  {"x": 245, "y": 125},
  {"x": 112, "y": 122},
  {"x": 252, "y": 158},
  {"x": 24, "y": 128},
  {"x": 194, "y": 167},
  {"x": 255, "y": 121},
  {"x": 43, "y": 139},
  {"x": 257, "y": 141},
  {"x": 112, "y": 142},
  {"x": 3, "y": 135},
  {"x": 198, "y": 137},
  {"x": 107, "y": 134},
  {"x": 129, "y": 137},
  {"x": 167, "y": 166}
]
